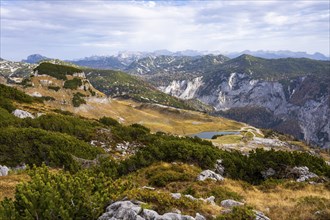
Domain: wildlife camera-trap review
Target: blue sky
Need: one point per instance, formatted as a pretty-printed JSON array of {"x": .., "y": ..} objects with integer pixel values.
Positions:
[{"x": 75, "y": 29}]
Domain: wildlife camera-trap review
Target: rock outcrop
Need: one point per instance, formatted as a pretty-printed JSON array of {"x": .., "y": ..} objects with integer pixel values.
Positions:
[
  {"x": 22, "y": 114},
  {"x": 131, "y": 210},
  {"x": 229, "y": 203},
  {"x": 209, "y": 174},
  {"x": 268, "y": 173},
  {"x": 219, "y": 168},
  {"x": 296, "y": 99},
  {"x": 302, "y": 174},
  {"x": 209, "y": 200},
  {"x": 260, "y": 215}
]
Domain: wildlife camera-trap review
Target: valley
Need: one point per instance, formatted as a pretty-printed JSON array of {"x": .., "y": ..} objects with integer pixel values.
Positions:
[{"x": 123, "y": 138}]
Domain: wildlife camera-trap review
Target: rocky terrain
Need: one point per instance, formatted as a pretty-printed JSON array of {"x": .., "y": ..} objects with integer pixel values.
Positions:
[
  {"x": 63, "y": 153},
  {"x": 293, "y": 93}
]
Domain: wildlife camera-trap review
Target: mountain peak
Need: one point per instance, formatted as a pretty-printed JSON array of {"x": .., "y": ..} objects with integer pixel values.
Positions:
[{"x": 35, "y": 58}]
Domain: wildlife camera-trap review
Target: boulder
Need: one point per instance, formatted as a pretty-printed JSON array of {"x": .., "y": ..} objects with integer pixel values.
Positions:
[
  {"x": 131, "y": 210},
  {"x": 268, "y": 173},
  {"x": 199, "y": 217},
  {"x": 302, "y": 174},
  {"x": 174, "y": 216},
  {"x": 229, "y": 203},
  {"x": 210, "y": 200},
  {"x": 36, "y": 94},
  {"x": 22, "y": 114},
  {"x": 219, "y": 168},
  {"x": 190, "y": 197},
  {"x": 209, "y": 174},
  {"x": 4, "y": 170},
  {"x": 176, "y": 195},
  {"x": 260, "y": 215}
]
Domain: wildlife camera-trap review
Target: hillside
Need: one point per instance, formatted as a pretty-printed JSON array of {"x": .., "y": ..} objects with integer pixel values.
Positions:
[
  {"x": 293, "y": 91},
  {"x": 119, "y": 84},
  {"x": 107, "y": 155},
  {"x": 105, "y": 161}
]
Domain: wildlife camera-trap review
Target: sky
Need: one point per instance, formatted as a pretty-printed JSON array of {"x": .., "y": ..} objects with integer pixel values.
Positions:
[{"x": 71, "y": 29}]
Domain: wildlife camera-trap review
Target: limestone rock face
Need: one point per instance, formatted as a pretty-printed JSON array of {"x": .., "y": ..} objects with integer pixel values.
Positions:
[
  {"x": 209, "y": 174},
  {"x": 219, "y": 168},
  {"x": 302, "y": 173},
  {"x": 22, "y": 114},
  {"x": 131, "y": 210}
]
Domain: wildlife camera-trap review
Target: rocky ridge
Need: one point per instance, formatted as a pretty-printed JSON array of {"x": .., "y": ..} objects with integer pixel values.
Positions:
[{"x": 297, "y": 102}]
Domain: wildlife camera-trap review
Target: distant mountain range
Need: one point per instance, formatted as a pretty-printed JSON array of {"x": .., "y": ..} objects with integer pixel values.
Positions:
[
  {"x": 124, "y": 58},
  {"x": 279, "y": 54}
]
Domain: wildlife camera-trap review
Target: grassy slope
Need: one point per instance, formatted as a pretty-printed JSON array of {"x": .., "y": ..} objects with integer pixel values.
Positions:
[
  {"x": 279, "y": 201},
  {"x": 156, "y": 118},
  {"x": 119, "y": 84}
]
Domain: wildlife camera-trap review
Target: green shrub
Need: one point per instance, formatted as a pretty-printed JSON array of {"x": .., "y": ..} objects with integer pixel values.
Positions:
[
  {"x": 81, "y": 129},
  {"x": 55, "y": 88},
  {"x": 163, "y": 202},
  {"x": 77, "y": 99},
  {"x": 35, "y": 146},
  {"x": 7, "y": 118},
  {"x": 238, "y": 213},
  {"x": 63, "y": 112},
  {"x": 108, "y": 121},
  {"x": 15, "y": 95},
  {"x": 163, "y": 178},
  {"x": 61, "y": 196},
  {"x": 55, "y": 70},
  {"x": 72, "y": 84},
  {"x": 6, "y": 104},
  {"x": 221, "y": 193},
  {"x": 48, "y": 98}
]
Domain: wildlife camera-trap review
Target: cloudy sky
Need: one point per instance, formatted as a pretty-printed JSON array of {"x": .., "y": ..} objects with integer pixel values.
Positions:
[{"x": 77, "y": 28}]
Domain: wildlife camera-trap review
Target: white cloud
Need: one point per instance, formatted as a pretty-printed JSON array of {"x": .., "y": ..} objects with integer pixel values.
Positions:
[{"x": 71, "y": 29}]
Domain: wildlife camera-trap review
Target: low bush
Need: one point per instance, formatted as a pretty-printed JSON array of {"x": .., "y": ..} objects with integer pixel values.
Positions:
[
  {"x": 108, "y": 121},
  {"x": 72, "y": 84},
  {"x": 55, "y": 88},
  {"x": 77, "y": 99},
  {"x": 35, "y": 146},
  {"x": 163, "y": 202},
  {"x": 15, "y": 95},
  {"x": 61, "y": 195},
  {"x": 55, "y": 70},
  {"x": 238, "y": 213}
]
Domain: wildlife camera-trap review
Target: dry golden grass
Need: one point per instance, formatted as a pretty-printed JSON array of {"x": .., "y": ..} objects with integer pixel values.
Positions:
[
  {"x": 157, "y": 118},
  {"x": 286, "y": 200},
  {"x": 181, "y": 122},
  {"x": 228, "y": 139},
  {"x": 279, "y": 203},
  {"x": 8, "y": 184}
]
